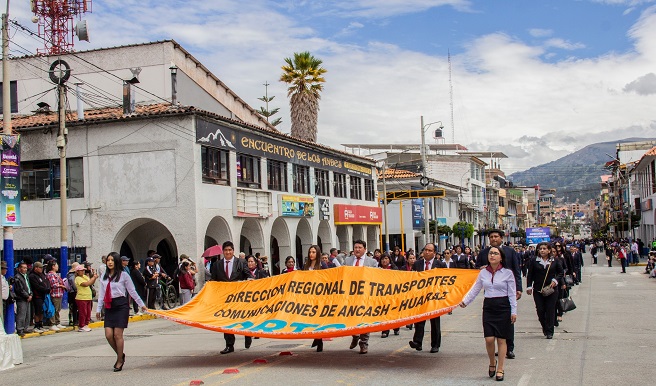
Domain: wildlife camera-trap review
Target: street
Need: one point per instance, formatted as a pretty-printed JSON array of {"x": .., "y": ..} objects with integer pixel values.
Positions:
[{"x": 607, "y": 340}]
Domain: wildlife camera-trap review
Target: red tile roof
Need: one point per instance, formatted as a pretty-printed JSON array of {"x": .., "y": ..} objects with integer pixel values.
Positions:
[{"x": 398, "y": 173}]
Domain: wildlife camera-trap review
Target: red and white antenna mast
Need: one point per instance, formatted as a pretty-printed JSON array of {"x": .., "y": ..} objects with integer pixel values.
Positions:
[{"x": 55, "y": 19}]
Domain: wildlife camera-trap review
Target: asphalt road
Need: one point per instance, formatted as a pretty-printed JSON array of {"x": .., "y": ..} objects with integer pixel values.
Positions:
[{"x": 607, "y": 340}]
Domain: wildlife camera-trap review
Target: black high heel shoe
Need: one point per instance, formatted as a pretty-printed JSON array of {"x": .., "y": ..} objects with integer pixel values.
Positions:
[
  {"x": 492, "y": 370},
  {"x": 117, "y": 369},
  {"x": 500, "y": 378},
  {"x": 320, "y": 345}
]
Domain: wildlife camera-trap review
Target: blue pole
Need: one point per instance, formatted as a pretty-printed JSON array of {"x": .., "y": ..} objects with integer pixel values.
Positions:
[
  {"x": 8, "y": 245},
  {"x": 63, "y": 270}
]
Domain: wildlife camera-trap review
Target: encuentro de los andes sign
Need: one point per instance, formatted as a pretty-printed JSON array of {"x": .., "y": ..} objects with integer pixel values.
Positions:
[{"x": 214, "y": 134}]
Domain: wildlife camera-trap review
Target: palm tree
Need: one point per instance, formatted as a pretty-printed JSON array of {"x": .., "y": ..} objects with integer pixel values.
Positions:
[{"x": 304, "y": 73}]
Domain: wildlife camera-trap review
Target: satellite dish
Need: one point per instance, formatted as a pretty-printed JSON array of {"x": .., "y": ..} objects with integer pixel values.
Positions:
[{"x": 82, "y": 30}]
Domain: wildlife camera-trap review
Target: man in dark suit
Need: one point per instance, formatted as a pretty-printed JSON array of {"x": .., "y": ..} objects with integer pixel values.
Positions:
[
  {"x": 230, "y": 268},
  {"x": 459, "y": 258},
  {"x": 428, "y": 262},
  {"x": 513, "y": 263},
  {"x": 360, "y": 259}
]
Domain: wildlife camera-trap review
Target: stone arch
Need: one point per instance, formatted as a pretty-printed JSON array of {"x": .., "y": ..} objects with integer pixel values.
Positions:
[
  {"x": 325, "y": 236},
  {"x": 218, "y": 231},
  {"x": 303, "y": 240},
  {"x": 281, "y": 245},
  {"x": 251, "y": 239},
  {"x": 142, "y": 234}
]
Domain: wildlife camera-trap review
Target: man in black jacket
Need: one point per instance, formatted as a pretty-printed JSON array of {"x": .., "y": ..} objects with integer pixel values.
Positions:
[
  {"x": 23, "y": 298},
  {"x": 40, "y": 288},
  {"x": 230, "y": 268},
  {"x": 512, "y": 262}
]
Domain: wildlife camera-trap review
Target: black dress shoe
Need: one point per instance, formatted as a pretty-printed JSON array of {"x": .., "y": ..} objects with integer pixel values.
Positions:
[
  {"x": 396, "y": 331},
  {"x": 117, "y": 369},
  {"x": 510, "y": 355},
  {"x": 320, "y": 345},
  {"x": 354, "y": 342},
  {"x": 549, "y": 336},
  {"x": 228, "y": 350},
  {"x": 385, "y": 334},
  {"x": 435, "y": 349},
  {"x": 248, "y": 341},
  {"x": 415, "y": 345}
]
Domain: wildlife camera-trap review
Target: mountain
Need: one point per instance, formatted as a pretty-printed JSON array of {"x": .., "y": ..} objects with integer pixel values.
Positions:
[{"x": 574, "y": 176}]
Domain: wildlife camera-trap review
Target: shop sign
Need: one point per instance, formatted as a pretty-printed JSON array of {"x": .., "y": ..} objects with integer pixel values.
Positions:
[
  {"x": 241, "y": 141},
  {"x": 358, "y": 214},
  {"x": 324, "y": 209},
  {"x": 296, "y": 206}
]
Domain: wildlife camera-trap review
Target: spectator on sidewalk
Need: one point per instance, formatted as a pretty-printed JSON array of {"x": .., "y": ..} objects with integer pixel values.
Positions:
[
  {"x": 152, "y": 282},
  {"x": 57, "y": 289},
  {"x": 23, "y": 299},
  {"x": 40, "y": 288},
  {"x": 84, "y": 297},
  {"x": 72, "y": 292},
  {"x": 186, "y": 280},
  {"x": 139, "y": 284}
]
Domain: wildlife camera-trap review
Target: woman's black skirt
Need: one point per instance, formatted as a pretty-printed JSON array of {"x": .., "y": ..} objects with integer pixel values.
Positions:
[
  {"x": 496, "y": 318},
  {"x": 118, "y": 315}
]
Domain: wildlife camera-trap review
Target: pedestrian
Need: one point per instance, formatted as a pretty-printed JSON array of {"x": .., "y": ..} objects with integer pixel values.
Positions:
[
  {"x": 609, "y": 255},
  {"x": 499, "y": 307},
  {"x": 622, "y": 255},
  {"x": 152, "y": 282},
  {"x": 290, "y": 263},
  {"x": 186, "y": 280},
  {"x": 546, "y": 273},
  {"x": 72, "y": 293},
  {"x": 84, "y": 297},
  {"x": 139, "y": 284},
  {"x": 57, "y": 290},
  {"x": 359, "y": 259},
  {"x": 114, "y": 286},
  {"x": 40, "y": 288},
  {"x": 429, "y": 261},
  {"x": 386, "y": 263},
  {"x": 23, "y": 299},
  {"x": 230, "y": 269}
]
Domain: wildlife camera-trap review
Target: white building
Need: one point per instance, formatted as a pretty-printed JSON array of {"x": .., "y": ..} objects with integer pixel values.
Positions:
[
  {"x": 178, "y": 179},
  {"x": 645, "y": 181}
]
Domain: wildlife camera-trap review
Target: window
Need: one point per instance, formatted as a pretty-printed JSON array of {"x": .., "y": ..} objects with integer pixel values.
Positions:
[
  {"x": 301, "y": 179},
  {"x": 215, "y": 165},
  {"x": 369, "y": 193},
  {"x": 40, "y": 179},
  {"x": 340, "y": 185},
  {"x": 322, "y": 182},
  {"x": 13, "y": 94},
  {"x": 356, "y": 188},
  {"x": 276, "y": 175},
  {"x": 248, "y": 171}
]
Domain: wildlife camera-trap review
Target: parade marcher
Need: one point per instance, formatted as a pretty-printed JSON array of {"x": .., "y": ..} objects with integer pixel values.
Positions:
[
  {"x": 139, "y": 284},
  {"x": 566, "y": 261},
  {"x": 450, "y": 262},
  {"x": 359, "y": 259},
  {"x": 23, "y": 298},
  {"x": 152, "y": 282},
  {"x": 313, "y": 263},
  {"x": 397, "y": 257},
  {"x": 230, "y": 268},
  {"x": 114, "y": 286},
  {"x": 429, "y": 261},
  {"x": 513, "y": 263},
  {"x": 459, "y": 258},
  {"x": 290, "y": 265},
  {"x": 84, "y": 297},
  {"x": 386, "y": 263},
  {"x": 545, "y": 273},
  {"x": 325, "y": 260},
  {"x": 577, "y": 258},
  {"x": 499, "y": 307},
  {"x": 186, "y": 280},
  {"x": 57, "y": 290},
  {"x": 409, "y": 263},
  {"x": 40, "y": 288}
]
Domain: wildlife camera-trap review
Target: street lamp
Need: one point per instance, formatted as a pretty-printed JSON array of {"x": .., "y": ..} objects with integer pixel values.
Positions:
[{"x": 425, "y": 167}]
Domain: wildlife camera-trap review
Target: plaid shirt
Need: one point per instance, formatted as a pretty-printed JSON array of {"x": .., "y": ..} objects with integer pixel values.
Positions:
[{"x": 55, "y": 282}]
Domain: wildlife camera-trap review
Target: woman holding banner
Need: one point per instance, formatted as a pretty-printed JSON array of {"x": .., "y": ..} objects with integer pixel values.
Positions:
[
  {"x": 499, "y": 307},
  {"x": 290, "y": 264},
  {"x": 312, "y": 263},
  {"x": 386, "y": 263}
]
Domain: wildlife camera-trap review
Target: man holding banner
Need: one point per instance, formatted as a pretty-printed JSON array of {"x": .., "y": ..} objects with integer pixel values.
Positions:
[
  {"x": 360, "y": 259},
  {"x": 428, "y": 262},
  {"x": 230, "y": 268}
]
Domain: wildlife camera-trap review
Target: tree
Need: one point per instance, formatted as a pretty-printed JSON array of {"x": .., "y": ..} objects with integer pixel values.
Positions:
[
  {"x": 463, "y": 230},
  {"x": 264, "y": 111},
  {"x": 303, "y": 74}
]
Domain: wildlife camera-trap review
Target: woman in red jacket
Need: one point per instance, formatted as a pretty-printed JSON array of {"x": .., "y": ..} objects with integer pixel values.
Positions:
[{"x": 186, "y": 280}]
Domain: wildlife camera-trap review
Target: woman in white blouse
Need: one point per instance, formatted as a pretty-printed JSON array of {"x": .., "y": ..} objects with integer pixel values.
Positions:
[
  {"x": 114, "y": 285},
  {"x": 499, "y": 307}
]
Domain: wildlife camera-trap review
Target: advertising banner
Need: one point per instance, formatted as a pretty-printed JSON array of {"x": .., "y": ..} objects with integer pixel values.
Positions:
[
  {"x": 418, "y": 213},
  {"x": 326, "y": 303},
  {"x": 538, "y": 235},
  {"x": 357, "y": 214},
  {"x": 10, "y": 181},
  {"x": 296, "y": 206},
  {"x": 324, "y": 209}
]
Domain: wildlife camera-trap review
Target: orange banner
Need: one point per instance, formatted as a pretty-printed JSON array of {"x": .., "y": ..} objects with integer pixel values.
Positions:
[{"x": 321, "y": 304}]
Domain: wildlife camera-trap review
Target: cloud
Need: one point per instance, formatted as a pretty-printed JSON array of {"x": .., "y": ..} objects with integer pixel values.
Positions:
[
  {"x": 350, "y": 29},
  {"x": 644, "y": 85},
  {"x": 540, "y": 32},
  {"x": 375, "y": 9},
  {"x": 560, "y": 43}
]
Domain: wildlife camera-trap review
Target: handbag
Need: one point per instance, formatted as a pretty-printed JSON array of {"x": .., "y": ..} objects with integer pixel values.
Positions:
[
  {"x": 567, "y": 304},
  {"x": 569, "y": 281},
  {"x": 546, "y": 290}
]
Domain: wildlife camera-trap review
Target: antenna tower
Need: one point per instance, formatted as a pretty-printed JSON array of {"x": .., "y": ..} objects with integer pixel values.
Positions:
[
  {"x": 453, "y": 125},
  {"x": 55, "y": 21}
]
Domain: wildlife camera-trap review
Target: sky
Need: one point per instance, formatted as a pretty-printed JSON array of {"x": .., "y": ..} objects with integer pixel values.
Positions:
[{"x": 535, "y": 80}]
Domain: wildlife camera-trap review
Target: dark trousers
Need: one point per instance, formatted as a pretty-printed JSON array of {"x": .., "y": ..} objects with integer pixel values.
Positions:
[
  {"x": 150, "y": 296},
  {"x": 546, "y": 309},
  {"x": 610, "y": 261},
  {"x": 72, "y": 309},
  {"x": 623, "y": 261},
  {"x": 436, "y": 332}
]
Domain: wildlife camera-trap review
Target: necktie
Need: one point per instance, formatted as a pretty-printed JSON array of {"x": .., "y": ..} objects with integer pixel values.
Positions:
[
  {"x": 227, "y": 272},
  {"x": 357, "y": 261},
  {"x": 427, "y": 265}
]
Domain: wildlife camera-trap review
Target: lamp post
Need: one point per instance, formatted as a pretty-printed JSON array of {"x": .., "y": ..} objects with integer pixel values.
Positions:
[{"x": 425, "y": 168}]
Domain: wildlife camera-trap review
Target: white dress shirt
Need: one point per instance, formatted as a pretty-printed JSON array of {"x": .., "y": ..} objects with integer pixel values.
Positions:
[
  {"x": 503, "y": 285},
  {"x": 119, "y": 289}
]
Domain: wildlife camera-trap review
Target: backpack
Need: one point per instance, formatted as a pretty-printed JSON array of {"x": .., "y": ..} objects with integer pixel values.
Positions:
[
  {"x": 48, "y": 308},
  {"x": 70, "y": 283}
]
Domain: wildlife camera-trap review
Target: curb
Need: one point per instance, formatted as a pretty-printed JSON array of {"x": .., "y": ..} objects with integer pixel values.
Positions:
[{"x": 134, "y": 318}]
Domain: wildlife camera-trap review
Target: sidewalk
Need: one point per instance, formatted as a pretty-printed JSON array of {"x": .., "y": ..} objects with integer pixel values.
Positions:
[{"x": 63, "y": 317}]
